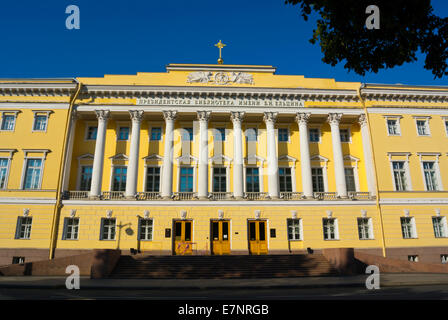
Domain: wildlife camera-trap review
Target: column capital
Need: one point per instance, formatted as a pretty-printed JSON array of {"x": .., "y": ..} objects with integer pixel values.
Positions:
[
  {"x": 270, "y": 117},
  {"x": 102, "y": 115},
  {"x": 204, "y": 115},
  {"x": 303, "y": 118},
  {"x": 362, "y": 120},
  {"x": 170, "y": 115},
  {"x": 136, "y": 115},
  {"x": 237, "y": 116},
  {"x": 334, "y": 118}
]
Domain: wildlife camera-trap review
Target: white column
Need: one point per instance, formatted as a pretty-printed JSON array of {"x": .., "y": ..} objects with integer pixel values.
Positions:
[
  {"x": 341, "y": 188},
  {"x": 68, "y": 159},
  {"x": 132, "y": 172},
  {"x": 368, "y": 156},
  {"x": 305, "y": 162},
  {"x": 98, "y": 160},
  {"x": 238, "y": 181},
  {"x": 273, "y": 187},
  {"x": 167, "y": 169},
  {"x": 203, "y": 117}
]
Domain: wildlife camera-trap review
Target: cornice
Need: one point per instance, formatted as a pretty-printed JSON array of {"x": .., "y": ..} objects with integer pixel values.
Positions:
[
  {"x": 382, "y": 94},
  {"x": 37, "y": 89}
]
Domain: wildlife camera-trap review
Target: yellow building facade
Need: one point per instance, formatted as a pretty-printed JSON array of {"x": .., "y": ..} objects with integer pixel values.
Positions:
[{"x": 221, "y": 159}]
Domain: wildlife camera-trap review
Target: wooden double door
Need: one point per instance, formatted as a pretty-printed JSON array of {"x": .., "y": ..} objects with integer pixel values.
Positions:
[
  {"x": 220, "y": 237},
  {"x": 182, "y": 240},
  {"x": 258, "y": 243}
]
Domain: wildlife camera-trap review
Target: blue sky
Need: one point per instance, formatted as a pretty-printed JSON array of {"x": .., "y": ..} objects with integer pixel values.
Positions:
[{"x": 126, "y": 37}]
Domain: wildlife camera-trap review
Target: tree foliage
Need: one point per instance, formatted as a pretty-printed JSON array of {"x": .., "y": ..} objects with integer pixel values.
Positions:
[{"x": 406, "y": 26}]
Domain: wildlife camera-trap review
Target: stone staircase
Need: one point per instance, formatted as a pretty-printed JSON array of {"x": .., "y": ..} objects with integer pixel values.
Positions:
[{"x": 222, "y": 267}]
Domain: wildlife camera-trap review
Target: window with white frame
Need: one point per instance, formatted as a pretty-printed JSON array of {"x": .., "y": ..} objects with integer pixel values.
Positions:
[
  {"x": 283, "y": 135},
  {"x": 4, "y": 166},
  {"x": 284, "y": 175},
  {"x": 430, "y": 173},
  {"x": 85, "y": 178},
  {"x": 145, "y": 230},
  {"x": 365, "y": 231},
  {"x": 33, "y": 174},
  {"x": 71, "y": 228},
  {"x": 408, "y": 229},
  {"x": 186, "y": 179},
  {"x": 345, "y": 135},
  {"x": 440, "y": 227},
  {"x": 91, "y": 132},
  {"x": 123, "y": 133},
  {"x": 119, "y": 178},
  {"x": 350, "y": 179},
  {"x": 40, "y": 122},
  {"x": 18, "y": 260},
  {"x": 108, "y": 226},
  {"x": 330, "y": 226},
  {"x": 23, "y": 230},
  {"x": 294, "y": 229},
  {"x": 393, "y": 127},
  {"x": 8, "y": 121},
  {"x": 252, "y": 180},
  {"x": 156, "y": 134},
  {"x": 251, "y": 134},
  {"x": 187, "y": 134},
  {"x": 422, "y": 127},
  {"x": 314, "y": 134},
  {"x": 399, "y": 171},
  {"x": 152, "y": 179},
  {"x": 219, "y": 179},
  {"x": 318, "y": 179},
  {"x": 219, "y": 134}
]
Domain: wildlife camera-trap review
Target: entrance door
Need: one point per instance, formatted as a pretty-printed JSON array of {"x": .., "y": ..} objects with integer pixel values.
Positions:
[
  {"x": 182, "y": 238},
  {"x": 257, "y": 237},
  {"x": 220, "y": 237}
]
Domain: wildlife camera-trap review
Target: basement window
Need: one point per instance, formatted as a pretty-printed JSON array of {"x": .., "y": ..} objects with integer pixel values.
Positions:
[{"x": 413, "y": 258}]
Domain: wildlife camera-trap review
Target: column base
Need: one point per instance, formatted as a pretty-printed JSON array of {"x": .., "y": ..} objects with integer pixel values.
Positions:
[
  {"x": 274, "y": 197},
  {"x": 166, "y": 198},
  {"x": 94, "y": 197},
  {"x": 203, "y": 198},
  {"x": 131, "y": 197},
  {"x": 238, "y": 197}
]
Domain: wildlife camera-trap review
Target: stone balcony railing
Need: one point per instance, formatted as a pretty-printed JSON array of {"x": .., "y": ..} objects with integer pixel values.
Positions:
[{"x": 291, "y": 195}]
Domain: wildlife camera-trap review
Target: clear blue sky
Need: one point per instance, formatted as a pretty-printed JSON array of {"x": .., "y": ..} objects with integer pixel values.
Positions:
[{"x": 126, "y": 37}]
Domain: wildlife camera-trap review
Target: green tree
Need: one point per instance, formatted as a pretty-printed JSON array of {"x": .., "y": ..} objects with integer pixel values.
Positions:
[{"x": 406, "y": 26}]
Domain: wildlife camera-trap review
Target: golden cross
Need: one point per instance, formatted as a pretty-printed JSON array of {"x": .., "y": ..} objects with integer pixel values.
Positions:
[{"x": 220, "y": 45}]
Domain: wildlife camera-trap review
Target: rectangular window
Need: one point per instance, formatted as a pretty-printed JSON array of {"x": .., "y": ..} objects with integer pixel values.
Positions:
[
  {"x": 145, "y": 231},
  {"x": 219, "y": 134},
  {"x": 350, "y": 179},
  {"x": 108, "y": 228},
  {"x": 422, "y": 128},
  {"x": 444, "y": 258},
  {"x": 446, "y": 126},
  {"x": 413, "y": 258},
  {"x": 399, "y": 175},
  {"x": 314, "y": 135},
  {"x": 152, "y": 179},
  {"x": 345, "y": 135},
  {"x": 187, "y": 134},
  {"x": 40, "y": 123},
  {"x": 23, "y": 230},
  {"x": 156, "y": 134},
  {"x": 284, "y": 175},
  {"x": 123, "y": 133},
  {"x": 3, "y": 172},
  {"x": 71, "y": 228},
  {"x": 430, "y": 176},
  {"x": 119, "y": 179},
  {"x": 219, "y": 180},
  {"x": 251, "y": 134},
  {"x": 318, "y": 180},
  {"x": 294, "y": 229},
  {"x": 364, "y": 229},
  {"x": 283, "y": 135},
  {"x": 330, "y": 229},
  {"x": 408, "y": 227},
  {"x": 18, "y": 260},
  {"x": 33, "y": 174},
  {"x": 252, "y": 180},
  {"x": 92, "y": 132},
  {"x": 186, "y": 179},
  {"x": 439, "y": 225},
  {"x": 8, "y": 122},
  {"x": 86, "y": 178},
  {"x": 393, "y": 127}
]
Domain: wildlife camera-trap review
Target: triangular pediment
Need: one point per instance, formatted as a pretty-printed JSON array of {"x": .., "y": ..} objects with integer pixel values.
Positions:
[
  {"x": 86, "y": 156},
  {"x": 220, "y": 158},
  {"x": 349, "y": 157},
  {"x": 119, "y": 156},
  {"x": 318, "y": 157},
  {"x": 187, "y": 158},
  {"x": 286, "y": 157},
  {"x": 153, "y": 157}
]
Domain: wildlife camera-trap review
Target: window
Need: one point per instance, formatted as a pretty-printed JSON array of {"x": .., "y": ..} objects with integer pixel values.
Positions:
[
  {"x": 186, "y": 179},
  {"x": 345, "y": 135},
  {"x": 71, "y": 227},
  {"x": 86, "y": 178},
  {"x": 318, "y": 179},
  {"x": 91, "y": 132},
  {"x": 251, "y": 134},
  {"x": 18, "y": 260},
  {"x": 152, "y": 179},
  {"x": 252, "y": 180},
  {"x": 187, "y": 134},
  {"x": 3, "y": 172},
  {"x": 413, "y": 258},
  {"x": 330, "y": 229},
  {"x": 8, "y": 122},
  {"x": 294, "y": 229},
  {"x": 219, "y": 134},
  {"x": 123, "y": 133},
  {"x": 422, "y": 127},
  {"x": 408, "y": 228},
  {"x": 444, "y": 258},
  {"x": 350, "y": 179},
  {"x": 314, "y": 135},
  {"x": 393, "y": 127},
  {"x": 40, "y": 123},
  {"x": 119, "y": 179},
  {"x": 440, "y": 228},
  {"x": 33, "y": 173},
  {"x": 145, "y": 230},
  {"x": 284, "y": 175},
  {"x": 365, "y": 228},
  {"x": 446, "y": 126},
  {"x": 399, "y": 175},
  {"x": 219, "y": 180},
  {"x": 430, "y": 176},
  {"x": 156, "y": 134},
  {"x": 283, "y": 135},
  {"x": 107, "y": 228},
  {"x": 23, "y": 230}
]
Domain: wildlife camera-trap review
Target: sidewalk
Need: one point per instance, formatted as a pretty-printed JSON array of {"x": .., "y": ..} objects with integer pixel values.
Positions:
[{"x": 386, "y": 280}]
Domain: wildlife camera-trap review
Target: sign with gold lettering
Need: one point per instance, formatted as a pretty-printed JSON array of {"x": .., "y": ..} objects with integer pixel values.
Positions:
[{"x": 220, "y": 102}]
